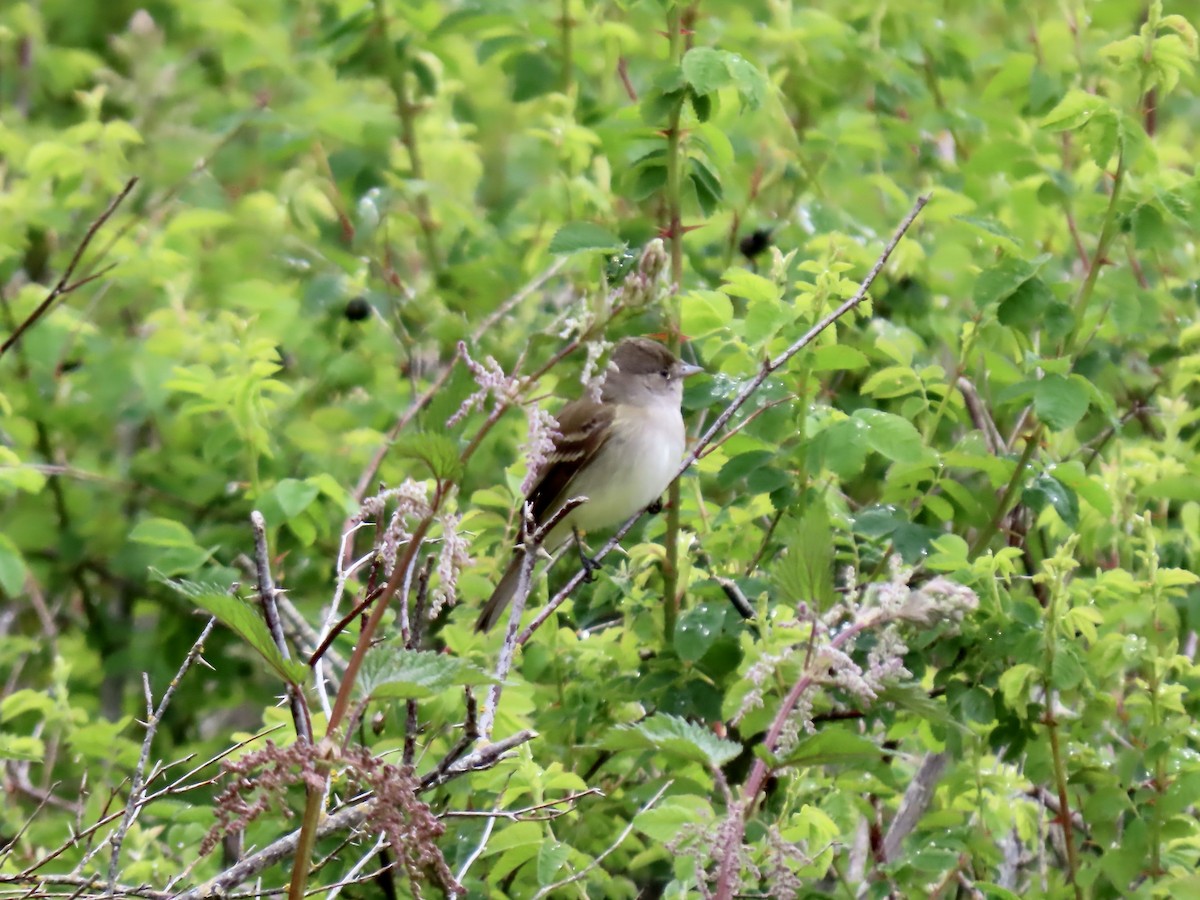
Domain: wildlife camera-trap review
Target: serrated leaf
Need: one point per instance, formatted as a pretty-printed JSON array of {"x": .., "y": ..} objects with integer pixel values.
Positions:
[
  {"x": 706, "y": 69},
  {"x": 399, "y": 674},
  {"x": 1060, "y": 401},
  {"x": 676, "y": 737},
  {"x": 752, "y": 85},
  {"x": 575, "y": 237},
  {"x": 242, "y": 618},
  {"x": 437, "y": 451}
]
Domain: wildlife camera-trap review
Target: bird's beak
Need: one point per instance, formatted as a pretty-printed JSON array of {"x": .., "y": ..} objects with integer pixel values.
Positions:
[{"x": 686, "y": 369}]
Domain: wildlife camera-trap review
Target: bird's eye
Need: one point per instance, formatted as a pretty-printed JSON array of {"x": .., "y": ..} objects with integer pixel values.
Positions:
[{"x": 665, "y": 373}]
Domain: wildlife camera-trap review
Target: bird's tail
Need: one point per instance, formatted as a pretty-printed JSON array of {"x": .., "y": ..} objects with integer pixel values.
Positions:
[{"x": 501, "y": 596}]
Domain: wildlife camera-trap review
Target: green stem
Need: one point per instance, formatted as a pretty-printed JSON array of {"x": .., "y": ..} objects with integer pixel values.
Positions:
[
  {"x": 674, "y": 233},
  {"x": 1056, "y": 754},
  {"x": 568, "y": 65},
  {"x": 394, "y": 67},
  {"x": 1010, "y": 491}
]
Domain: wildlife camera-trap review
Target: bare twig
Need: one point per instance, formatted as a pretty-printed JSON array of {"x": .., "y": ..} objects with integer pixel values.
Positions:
[
  {"x": 625, "y": 832},
  {"x": 526, "y": 814},
  {"x": 266, "y": 595},
  {"x": 917, "y": 798},
  {"x": 64, "y": 285},
  {"x": 135, "y": 802},
  {"x": 529, "y": 545},
  {"x": 83, "y": 883},
  {"x": 768, "y": 368},
  {"x": 483, "y": 758}
]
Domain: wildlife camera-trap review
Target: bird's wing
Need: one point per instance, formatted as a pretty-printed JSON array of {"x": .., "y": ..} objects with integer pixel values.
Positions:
[{"x": 584, "y": 426}]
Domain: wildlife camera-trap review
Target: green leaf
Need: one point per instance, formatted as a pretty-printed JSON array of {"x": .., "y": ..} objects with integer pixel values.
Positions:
[
  {"x": 893, "y": 436},
  {"x": 992, "y": 233},
  {"x": 1060, "y": 401},
  {"x": 804, "y": 572},
  {"x": 21, "y": 747},
  {"x": 708, "y": 186},
  {"x": 836, "y": 358},
  {"x": 179, "y": 554},
  {"x": 676, "y": 737},
  {"x": 437, "y": 451},
  {"x": 295, "y": 496},
  {"x": 704, "y": 312},
  {"x": 12, "y": 567},
  {"x": 162, "y": 533},
  {"x": 752, "y": 85},
  {"x": 395, "y": 673},
  {"x": 833, "y": 746},
  {"x": 551, "y": 857},
  {"x": 1075, "y": 110},
  {"x": 698, "y": 628},
  {"x": 664, "y": 821},
  {"x": 242, "y": 618},
  {"x": 532, "y": 75},
  {"x": 706, "y": 69},
  {"x": 1045, "y": 490},
  {"x": 1002, "y": 279},
  {"x": 1025, "y": 307},
  {"x": 575, "y": 237}
]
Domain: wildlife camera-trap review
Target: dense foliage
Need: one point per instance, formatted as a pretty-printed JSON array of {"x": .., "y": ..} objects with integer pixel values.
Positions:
[{"x": 369, "y": 242}]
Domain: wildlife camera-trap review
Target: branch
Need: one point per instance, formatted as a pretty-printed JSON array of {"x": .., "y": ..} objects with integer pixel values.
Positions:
[
  {"x": 529, "y": 547},
  {"x": 134, "y": 803},
  {"x": 768, "y": 368},
  {"x": 916, "y": 800},
  {"x": 266, "y": 595},
  {"x": 578, "y": 876},
  {"x": 64, "y": 285}
]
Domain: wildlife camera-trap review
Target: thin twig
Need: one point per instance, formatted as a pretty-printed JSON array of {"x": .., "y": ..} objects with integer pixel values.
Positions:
[
  {"x": 134, "y": 804},
  {"x": 578, "y": 876},
  {"x": 266, "y": 595},
  {"x": 64, "y": 285},
  {"x": 529, "y": 545}
]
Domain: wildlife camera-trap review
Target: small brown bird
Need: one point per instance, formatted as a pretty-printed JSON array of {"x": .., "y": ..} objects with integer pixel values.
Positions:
[{"x": 619, "y": 453}]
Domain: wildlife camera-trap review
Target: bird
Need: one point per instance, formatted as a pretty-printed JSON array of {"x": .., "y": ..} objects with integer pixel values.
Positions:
[{"x": 620, "y": 452}]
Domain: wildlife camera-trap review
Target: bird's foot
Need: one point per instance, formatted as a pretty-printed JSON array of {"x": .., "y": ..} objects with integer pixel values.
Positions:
[{"x": 656, "y": 507}]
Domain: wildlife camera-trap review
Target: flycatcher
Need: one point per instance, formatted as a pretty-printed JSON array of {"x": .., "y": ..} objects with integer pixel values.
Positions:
[{"x": 619, "y": 453}]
